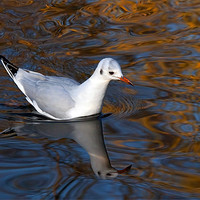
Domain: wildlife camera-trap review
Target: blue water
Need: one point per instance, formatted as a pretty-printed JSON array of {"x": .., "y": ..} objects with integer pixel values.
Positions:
[{"x": 153, "y": 126}]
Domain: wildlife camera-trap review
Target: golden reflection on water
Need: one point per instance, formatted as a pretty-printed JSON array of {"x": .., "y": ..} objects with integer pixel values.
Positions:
[{"x": 154, "y": 125}]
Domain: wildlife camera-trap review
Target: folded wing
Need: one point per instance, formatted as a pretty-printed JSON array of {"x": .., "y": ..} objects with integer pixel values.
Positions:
[{"x": 49, "y": 96}]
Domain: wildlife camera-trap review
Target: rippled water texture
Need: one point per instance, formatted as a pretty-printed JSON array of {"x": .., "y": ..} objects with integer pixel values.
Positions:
[{"x": 153, "y": 126}]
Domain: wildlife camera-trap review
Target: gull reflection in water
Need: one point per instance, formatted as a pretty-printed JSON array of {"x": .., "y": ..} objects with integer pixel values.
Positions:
[{"x": 88, "y": 134}]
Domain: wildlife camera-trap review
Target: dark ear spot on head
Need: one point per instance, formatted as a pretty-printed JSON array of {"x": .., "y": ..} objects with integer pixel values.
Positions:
[
  {"x": 101, "y": 71},
  {"x": 99, "y": 173}
]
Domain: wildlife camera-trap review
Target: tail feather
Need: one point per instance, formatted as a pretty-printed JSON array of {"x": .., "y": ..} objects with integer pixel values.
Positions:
[{"x": 10, "y": 68}]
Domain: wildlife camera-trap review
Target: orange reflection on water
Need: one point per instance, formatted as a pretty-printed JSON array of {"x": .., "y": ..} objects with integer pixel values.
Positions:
[{"x": 154, "y": 126}]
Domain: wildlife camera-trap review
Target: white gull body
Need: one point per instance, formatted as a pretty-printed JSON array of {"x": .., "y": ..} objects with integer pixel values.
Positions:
[{"x": 62, "y": 98}]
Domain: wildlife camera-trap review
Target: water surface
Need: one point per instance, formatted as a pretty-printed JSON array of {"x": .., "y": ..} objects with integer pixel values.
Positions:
[{"x": 153, "y": 126}]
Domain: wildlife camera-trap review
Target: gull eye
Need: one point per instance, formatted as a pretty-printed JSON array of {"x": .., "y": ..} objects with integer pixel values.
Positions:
[{"x": 111, "y": 73}]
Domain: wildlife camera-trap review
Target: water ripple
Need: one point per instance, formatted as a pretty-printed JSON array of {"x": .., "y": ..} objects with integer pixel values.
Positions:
[{"x": 154, "y": 126}]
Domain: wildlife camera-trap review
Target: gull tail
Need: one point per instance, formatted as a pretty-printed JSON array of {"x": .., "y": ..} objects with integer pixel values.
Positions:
[{"x": 10, "y": 68}]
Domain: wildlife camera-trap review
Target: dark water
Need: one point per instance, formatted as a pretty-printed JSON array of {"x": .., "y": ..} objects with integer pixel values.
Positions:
[{"x": 153, "y": 126}]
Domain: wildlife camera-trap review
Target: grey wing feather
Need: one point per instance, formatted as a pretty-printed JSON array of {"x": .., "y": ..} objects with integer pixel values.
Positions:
[
  {"x": 67, "y": 83},
  {"x": 52, "y": 99},
  {"x": 49, "y": 95}
]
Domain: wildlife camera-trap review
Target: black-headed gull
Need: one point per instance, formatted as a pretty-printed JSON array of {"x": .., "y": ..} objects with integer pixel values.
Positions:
[{"x": 62, "y": 98}]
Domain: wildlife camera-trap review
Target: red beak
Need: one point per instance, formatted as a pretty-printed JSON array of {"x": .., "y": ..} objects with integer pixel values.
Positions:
[
  {"x": 124, "y": 170},
  {"x": 124, "y": 79}
]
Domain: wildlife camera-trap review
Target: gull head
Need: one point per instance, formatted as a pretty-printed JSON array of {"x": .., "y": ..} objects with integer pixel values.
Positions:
[
  {"x": 110, "y": 172},
  {"x": 107, "y": 173},
  {"x": 109, "y": 69}
]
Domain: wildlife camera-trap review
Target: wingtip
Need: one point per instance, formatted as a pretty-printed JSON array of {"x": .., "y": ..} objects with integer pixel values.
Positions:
[
  {"x": 2, "y": 58},
  {"x": 10, "y": 68}
]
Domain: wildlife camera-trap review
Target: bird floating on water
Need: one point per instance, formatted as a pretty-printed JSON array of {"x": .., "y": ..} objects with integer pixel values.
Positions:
[{"x": 62, "y": 98}]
